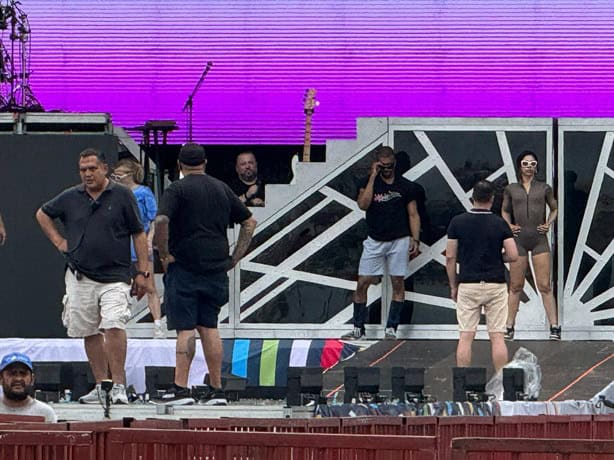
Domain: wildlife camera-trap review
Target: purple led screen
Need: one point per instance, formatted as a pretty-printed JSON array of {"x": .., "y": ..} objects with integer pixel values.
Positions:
[{"x": 139, "y": 60}]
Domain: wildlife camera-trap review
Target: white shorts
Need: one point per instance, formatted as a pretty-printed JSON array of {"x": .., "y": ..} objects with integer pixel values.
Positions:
[
  {"x": 393, "y": 254},
  {"x": 90, "y": 306}
]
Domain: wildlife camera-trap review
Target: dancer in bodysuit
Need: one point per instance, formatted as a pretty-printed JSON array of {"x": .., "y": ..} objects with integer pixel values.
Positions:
[{"x": 524, "y": 209}]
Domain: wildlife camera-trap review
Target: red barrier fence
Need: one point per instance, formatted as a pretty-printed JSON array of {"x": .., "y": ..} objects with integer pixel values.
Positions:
[
  {"x": 461, "y": 427},
  {"x": 373, "y": 425},
  {"x": 274, "y": 425},
  {"x": 21, "y": 418},
  {"x": 99, "y": 431},
  {"x": 43, "y": 445},
  {"x": 603, "y": 427},
  {"x": 158, "y": 424},
  {"x": 131, "y": 444},
  {"x": 545, "y": 449}
]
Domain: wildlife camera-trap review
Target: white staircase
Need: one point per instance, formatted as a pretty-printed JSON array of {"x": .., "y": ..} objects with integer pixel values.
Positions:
[{"x": 309, "y": 177}]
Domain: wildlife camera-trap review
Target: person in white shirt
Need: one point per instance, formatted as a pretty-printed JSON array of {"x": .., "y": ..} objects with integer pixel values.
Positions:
[{"x": 17, "y": 379}]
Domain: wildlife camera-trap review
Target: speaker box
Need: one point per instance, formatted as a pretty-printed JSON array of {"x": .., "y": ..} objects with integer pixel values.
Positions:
[
  {"x": 468, "y": 379},
  {"x": 303, "y": 380},
  {"x": 407, "y": 380},
  {"x": 360, "y": 380},
  {"x": 159, "y": 378},
  {"x": 513, "y": 383}
]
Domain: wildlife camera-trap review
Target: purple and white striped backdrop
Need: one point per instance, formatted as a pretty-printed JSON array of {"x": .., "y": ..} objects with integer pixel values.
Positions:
[{"x": 139, "y": 60}]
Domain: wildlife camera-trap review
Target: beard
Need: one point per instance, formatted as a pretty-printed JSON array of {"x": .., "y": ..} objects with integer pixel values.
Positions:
[
  {"x": 249, "y": 176},
  {"x": 18, "y": 395}
]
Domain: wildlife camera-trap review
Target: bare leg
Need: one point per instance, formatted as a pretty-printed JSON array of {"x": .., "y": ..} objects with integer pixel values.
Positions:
[
  {"x": 541, "y": 265},
  {"x": 518, "y": 271},
  {"x": 498, "y": 350},
  {"x": 153, "y": 298},
  {"x": 398, "y": 288},
  {"x": 184, "y": 354},
  {"x": 463, "y": 349},
  {"x": 213, "y": 351},
  {"x": 362, "y": 286},
  {"x": 96, "y": 355},
  {"x": 116, "y": 345}
]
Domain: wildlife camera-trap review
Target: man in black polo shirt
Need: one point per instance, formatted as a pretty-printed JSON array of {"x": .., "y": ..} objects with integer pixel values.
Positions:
[
  {"x": 476, "y": 240},
  {"x": 99, "y": 218},
  {"x": 193, "y": 218}
]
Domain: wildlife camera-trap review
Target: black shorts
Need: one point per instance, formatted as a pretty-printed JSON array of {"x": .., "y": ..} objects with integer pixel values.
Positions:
[{"x": 191, "y": 299}]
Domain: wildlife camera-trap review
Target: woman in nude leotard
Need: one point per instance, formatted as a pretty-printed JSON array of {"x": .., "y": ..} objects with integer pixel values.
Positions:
[{"x": 524, "y": 209}]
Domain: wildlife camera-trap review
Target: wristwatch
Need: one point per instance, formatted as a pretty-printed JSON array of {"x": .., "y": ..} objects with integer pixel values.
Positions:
[{"x": 145, "y": 274}]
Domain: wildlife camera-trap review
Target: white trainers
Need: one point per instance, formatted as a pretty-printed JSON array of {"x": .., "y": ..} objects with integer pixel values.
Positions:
[
  {"x": 159, "y": 332},
  {"x": 118, "y": 394},
  {"x": 390, "y": 334},
  {"x": 355, "y": 334},
  {"x": 96, "y": 396}
]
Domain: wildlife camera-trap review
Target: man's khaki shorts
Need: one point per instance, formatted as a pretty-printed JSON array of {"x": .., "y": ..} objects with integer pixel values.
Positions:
[
  {"x": 472, "y": 297},
  {"x": 90, "y": 306}
]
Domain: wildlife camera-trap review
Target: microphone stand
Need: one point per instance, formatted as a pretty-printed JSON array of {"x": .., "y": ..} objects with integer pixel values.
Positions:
[{"x": 189, "y": 102}]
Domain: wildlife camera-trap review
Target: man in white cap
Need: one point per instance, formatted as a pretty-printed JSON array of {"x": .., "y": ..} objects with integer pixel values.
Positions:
[{"x": 17, "y": 379}]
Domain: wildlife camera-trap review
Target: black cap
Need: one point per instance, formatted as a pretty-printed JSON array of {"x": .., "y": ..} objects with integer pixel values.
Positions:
[{"x": 192, "y": 154}]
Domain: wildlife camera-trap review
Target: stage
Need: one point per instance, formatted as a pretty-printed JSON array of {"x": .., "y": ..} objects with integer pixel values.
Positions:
[{"x": 573, "y": 375}]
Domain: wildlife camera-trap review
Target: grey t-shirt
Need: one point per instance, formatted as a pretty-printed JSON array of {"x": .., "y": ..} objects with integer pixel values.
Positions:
[{"x": 33, "y": 407}]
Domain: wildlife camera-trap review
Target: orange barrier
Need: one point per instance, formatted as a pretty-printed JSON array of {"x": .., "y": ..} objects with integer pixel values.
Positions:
[
  {"x": 43, "y": 445},
  {"x": 128, "y": 444},
  {"x": 545, "y": 449}
]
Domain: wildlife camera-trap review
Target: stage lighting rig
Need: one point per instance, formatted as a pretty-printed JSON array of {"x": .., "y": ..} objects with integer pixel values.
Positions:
[{"x": 15, "y": 61}]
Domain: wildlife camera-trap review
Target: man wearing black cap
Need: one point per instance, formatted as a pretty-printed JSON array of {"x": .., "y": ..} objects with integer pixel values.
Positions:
[
  {"x": 190, "y": 234},
  {"x": 17, "y": 378}
]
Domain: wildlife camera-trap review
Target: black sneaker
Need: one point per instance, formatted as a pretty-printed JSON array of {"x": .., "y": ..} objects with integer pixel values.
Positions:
[
  {"x": 509, "y": 333},
  {"x": 177, "y": 396},
  {"x": 214, "y": 397},
  {"x": 555, "y": 332}
]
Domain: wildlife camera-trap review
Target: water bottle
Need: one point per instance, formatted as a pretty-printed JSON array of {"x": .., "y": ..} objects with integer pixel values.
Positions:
[{"x": 67, "y": 396}]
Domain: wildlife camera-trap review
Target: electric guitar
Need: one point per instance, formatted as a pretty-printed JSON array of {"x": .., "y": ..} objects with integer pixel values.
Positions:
[{"x": 309, "y": 105}]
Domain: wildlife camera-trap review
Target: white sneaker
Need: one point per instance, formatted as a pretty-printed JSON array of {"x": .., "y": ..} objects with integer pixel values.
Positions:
[
  {"x": 118, "y": 394},
  {"x": 96, "y": 396},
  {"x": 159, "y": 332},
  {"x": 355, "y": 334},
  {"x": 390, "y": 334}
]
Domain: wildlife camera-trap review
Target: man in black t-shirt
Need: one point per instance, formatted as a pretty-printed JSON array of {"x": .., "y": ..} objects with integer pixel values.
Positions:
[
  {"x": 190, "y": 235},
  {"x": 247, "y": 185},
  {"x": 476, "y": 240},
  {"x": 392, "y": 216}
]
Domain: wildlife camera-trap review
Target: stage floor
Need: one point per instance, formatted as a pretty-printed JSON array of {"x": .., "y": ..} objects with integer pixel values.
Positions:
[{"x": 570, "y": 371}]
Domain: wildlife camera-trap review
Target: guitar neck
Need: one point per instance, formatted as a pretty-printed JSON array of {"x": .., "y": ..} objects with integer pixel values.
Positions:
[{"x": 307, "y": 139}]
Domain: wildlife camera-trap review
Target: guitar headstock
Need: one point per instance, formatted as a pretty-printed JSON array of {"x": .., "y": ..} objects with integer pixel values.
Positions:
[{"x": 309, "y": 100}]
